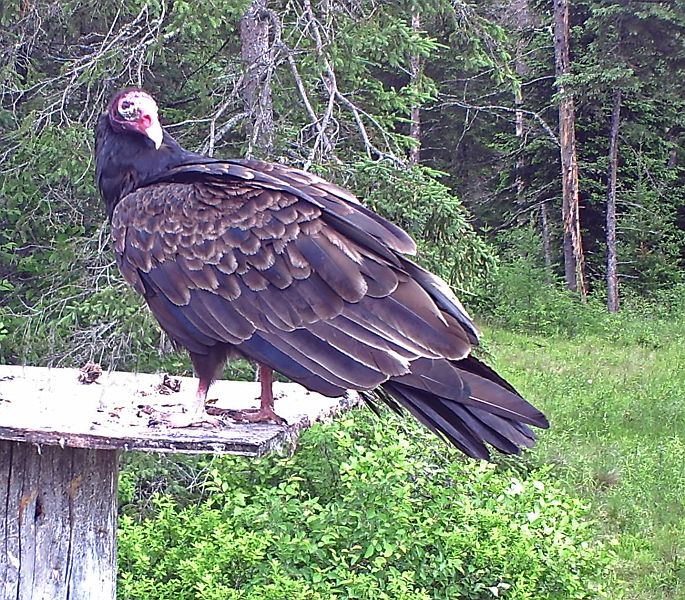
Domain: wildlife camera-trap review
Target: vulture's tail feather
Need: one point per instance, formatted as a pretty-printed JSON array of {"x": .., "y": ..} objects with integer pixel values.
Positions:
[{"x": 479, "y": 408}]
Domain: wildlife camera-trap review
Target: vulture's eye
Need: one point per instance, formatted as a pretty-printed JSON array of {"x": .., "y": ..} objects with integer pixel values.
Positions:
[{"x": 127, "y": 109}]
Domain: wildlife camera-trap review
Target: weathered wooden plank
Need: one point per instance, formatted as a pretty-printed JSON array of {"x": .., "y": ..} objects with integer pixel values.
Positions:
[
  {"x": 57, "y": 522},
  {"x": 50, "y": 406},
  {"x": 59, "y": 446}
]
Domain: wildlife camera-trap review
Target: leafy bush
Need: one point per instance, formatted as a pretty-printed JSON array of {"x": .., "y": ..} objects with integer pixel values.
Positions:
[
  {"x": 366, "y": 510},
  {"x": 520, "y": 293},
  {"x": 521, "y": 296}
]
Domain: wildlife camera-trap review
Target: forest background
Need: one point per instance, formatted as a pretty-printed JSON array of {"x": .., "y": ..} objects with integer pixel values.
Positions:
[{"x": 535, "y": 151}]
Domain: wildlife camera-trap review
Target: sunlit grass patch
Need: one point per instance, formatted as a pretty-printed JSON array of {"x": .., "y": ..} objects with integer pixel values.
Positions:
[{"x": 616, "y": 400}]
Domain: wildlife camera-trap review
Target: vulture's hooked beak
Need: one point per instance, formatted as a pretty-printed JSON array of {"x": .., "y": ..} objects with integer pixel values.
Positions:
[{"x": 155, "y": 133}]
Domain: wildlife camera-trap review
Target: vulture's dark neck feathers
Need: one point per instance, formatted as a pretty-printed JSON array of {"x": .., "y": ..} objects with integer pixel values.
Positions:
[{"x": 126, "y": 160}]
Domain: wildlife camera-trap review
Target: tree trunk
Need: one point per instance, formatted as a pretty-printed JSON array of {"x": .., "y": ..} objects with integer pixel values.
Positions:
[
  {"x": 546, "y": 242},
  {"x": 520, "y": 161},
  {"x": 522, "y": 20},
  {"x": 573, "y": 247},
  {"x": 258, "y": 67},
  {"x": 518, "y": 17},
  {"x": 612, "y": 273},
  {"x": 416, "y": 67},
  {"x": 58, "y": 520}
]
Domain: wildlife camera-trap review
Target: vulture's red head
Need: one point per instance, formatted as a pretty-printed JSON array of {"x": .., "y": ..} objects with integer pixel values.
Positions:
[{"x": 135, "y": 110}]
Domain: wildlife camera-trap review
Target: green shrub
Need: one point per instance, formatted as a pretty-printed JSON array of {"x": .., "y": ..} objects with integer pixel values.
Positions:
[
  {"x": 416, "y": 199},
  {"x": 520, "y": 296},
  {"x": 365, "y": 510}
]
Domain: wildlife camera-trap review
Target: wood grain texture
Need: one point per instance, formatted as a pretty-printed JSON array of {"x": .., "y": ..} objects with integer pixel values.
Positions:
[
  {"x": 59, "y": 446},
  {"x": 49, "y": 406},
  {"x": 57, "y": 522}
]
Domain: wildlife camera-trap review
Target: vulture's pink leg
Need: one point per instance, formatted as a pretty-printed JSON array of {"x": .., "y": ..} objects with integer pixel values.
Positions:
[{"x": 265, "y": 413}]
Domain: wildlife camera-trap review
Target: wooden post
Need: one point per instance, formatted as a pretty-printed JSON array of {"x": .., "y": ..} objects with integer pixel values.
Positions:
[
  {"x": 58, "y": 522},
  {"x": 60, "y": 442}
]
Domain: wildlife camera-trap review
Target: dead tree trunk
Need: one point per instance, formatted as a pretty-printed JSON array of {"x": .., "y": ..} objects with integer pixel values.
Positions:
[
  {"x": 573, "y": 246},
  {"x": 258, "y": 67},
  {"x": 416, "y": 67},
  {"x": 546, "y": 242},
  {"x": 520, "y": 18},
  {"x": 520, "y": 161},
  {"x": 612, "y": 255}
]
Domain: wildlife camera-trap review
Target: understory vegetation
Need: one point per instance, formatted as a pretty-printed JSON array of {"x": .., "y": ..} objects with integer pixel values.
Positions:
[
  {"x": 615, "y": 394},
  {"x": 365, "y": 509}
]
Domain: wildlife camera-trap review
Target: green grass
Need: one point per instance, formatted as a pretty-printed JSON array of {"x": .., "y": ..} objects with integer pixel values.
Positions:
[{"x": 616, "y": 402}]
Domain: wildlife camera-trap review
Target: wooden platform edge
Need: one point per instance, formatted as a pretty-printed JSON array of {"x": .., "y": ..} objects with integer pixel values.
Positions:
[
  {"x": 120, "y": 411},
  {"x": 200, "y": 440}
]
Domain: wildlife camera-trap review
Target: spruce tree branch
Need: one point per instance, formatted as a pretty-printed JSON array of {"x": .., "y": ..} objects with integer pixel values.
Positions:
[
  {"x": 215, "y": 136},
  {"x": 124, "y": 45},
  {"x": 512, "y": 219}
]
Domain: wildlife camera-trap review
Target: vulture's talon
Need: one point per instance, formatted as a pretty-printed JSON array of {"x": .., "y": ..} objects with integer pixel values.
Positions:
[
  {"x": 182, "y": 420},
  {"x": 256, "y": 415}
]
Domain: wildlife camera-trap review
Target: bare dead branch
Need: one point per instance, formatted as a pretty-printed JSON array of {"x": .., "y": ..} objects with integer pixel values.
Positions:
[{"x": 506, "y": 109}]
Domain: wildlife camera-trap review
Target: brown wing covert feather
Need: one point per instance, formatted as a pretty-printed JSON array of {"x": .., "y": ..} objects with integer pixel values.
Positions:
[{"x": 233, "y": 258}]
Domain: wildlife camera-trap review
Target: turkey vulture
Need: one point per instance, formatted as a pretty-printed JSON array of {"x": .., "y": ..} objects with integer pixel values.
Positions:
[{"x": 276, "y": 265}]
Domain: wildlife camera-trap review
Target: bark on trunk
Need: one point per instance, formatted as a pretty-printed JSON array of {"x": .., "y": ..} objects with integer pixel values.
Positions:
[
  {"x": 573, "y": 248},
  {"x": 546, "y": 242},
  {"x": 58, "y": 522},
  {"x": 518, "y": 17},
  {"x": 520, "y": 161},
  {"x": 612, "y": 255},
  {"x": 416, "y": 66},
  {"x": 257, "y": 65},
  {"x": 521, "y": 70}
]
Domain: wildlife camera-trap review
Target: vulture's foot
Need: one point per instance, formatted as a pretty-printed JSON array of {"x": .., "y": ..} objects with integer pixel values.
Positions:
[
  {"x": 257, "y": 415},
  {"x": 179, "y": 420}
]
